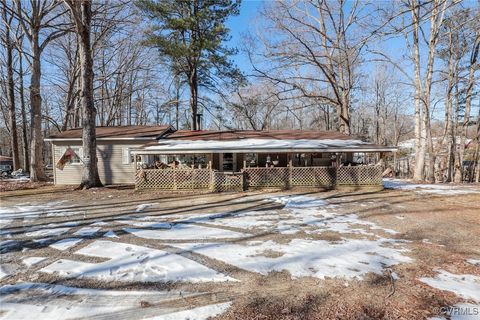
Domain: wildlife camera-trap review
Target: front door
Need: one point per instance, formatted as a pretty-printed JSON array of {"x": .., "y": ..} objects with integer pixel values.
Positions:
[{"x": 227, "y": 163}]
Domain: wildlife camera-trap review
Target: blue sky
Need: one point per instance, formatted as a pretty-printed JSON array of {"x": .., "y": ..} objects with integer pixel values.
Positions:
[{"x": 239, "y": 25}]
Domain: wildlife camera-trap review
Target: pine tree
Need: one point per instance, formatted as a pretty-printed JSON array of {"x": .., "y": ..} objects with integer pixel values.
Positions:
[{"x": 191, "y": 35}]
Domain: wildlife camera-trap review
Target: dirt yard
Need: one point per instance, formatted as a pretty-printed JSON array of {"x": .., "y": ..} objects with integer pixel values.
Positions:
[{"x": 412, "y": 252}]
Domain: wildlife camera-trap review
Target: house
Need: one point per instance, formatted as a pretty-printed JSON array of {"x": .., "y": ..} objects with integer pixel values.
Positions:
[
  {"x": 6, "y": 164},
  {"x": 113, "y": 156},
  {"x": 247, "y": 159},
  {"x": 159, "y": 157}
]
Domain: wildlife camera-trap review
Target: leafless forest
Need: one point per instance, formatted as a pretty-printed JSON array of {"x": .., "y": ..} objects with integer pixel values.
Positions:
[{"x": 391, "y": 72}]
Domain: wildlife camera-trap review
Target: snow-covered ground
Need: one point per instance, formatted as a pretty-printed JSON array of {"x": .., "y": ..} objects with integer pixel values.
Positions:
[
  {"x": 306, "y": 258},
  {"x": 204, "y": 312},
  {"x": 46, "y": 301},
  {"x": 465, "y": 286},
  {"x": 141, "y": 247},
  {"x": 440, "y": 189},
  {"x": 129, "y": 262}
]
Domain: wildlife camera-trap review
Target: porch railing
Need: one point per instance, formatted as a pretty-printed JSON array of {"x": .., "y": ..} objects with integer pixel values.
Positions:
[
  {"x": 255, "y": 178},
  {"x": 173, "y": 179},
  {"x": 359, "y": 176}
]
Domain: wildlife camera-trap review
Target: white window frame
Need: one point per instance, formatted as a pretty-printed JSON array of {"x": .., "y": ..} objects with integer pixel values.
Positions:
[
  {"x": 126, "y": 156},
  {"x": 78, "y": 151}
]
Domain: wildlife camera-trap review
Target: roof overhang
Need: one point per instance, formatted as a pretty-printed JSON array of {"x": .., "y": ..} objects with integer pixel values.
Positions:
[
  {"x": 105, "y": 139},
  {"x": 263, "y": 150},
  {"x": 116, "y": 133},
  {"x": 167, "y": 146}
]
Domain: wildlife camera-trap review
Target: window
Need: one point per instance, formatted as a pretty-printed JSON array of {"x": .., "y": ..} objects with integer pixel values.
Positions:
[
  {"x": 77, "y": 158},
  {"x": 251, "y": 159},
  {"x": 127, "y": 156}
]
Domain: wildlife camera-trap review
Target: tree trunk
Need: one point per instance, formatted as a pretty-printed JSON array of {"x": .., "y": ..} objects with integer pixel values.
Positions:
[
  {"x": 468, "y": 107},
  {"x": 37, "y": 172},
  {"x": 193, "y": 83},
  {"x": 71, "y": 93},
  {"x": 448, "y": 132},
  {"x": 12, "y": 117},
  {"x": 26, "y": 159},
  {"x": 83, "y": 16},
  {"x": 177, "y": 101},
  {"x": 422, "y": 97},
  {"x": 418, "y": 173}
]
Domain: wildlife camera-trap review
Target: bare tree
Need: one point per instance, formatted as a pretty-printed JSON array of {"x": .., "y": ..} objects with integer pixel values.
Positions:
[
  {"x": 317, "y": 52},
  {"x": 472, "y": 68},
  {"x": 253, "y": 105},
  {"x": 81, "y": 13},
  {"x": 35, "y": 18},
  {"x": 21, "y": 93},
  {"x": 8, "y": 41}
]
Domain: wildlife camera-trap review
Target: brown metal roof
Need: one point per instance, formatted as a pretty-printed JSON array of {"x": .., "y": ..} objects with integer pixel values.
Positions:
[
  {"x": 116, "y": 132},
  {"x": 252, "y": 134},
  {"x": 325, "y": 140}
]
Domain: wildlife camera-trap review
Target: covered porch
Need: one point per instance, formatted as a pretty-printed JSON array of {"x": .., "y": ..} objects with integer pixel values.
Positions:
[{"x": 239, "y": 170}]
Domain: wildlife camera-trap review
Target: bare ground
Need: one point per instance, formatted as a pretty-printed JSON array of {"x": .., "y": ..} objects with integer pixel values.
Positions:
[{"x": 444, "y": 231}]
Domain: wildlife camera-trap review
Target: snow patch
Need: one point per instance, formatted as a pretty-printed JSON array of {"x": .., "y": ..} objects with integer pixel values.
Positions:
[
  {"x": 199, "y": 313},
  {"x": 303, "y": 258},
  {"x": 51, "y": 229},
  {"x": 32, "y": 261},
  {"x": 110, "y": 234},
  {"x": 134, "y": 263},
  {"x": 32, "y": 211},
  {"x": 146, "y": 224},
  {"x": 440, "y": 189},
  {"x": 3, "y": 272},
  {"x": 87, "y": 231},
  {"x": 475, "y": 262},
  {"x": 466, "y": 286},
  {"x": 300, "y": 201},
  {"x": 65, "y": 244},
  {"x": 142, "y": 207},
  {"x": 185, "y": 232},
  {"x": 45, "y": 301}
]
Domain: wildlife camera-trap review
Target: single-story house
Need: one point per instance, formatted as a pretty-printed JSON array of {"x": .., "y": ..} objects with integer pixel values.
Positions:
[
  {"x": 113, "y": 144},
  {"x": 6, "y": 164},
  {"x": 160, "y": 157}
]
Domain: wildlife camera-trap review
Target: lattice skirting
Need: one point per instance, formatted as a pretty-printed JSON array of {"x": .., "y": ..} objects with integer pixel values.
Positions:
[
  {"x": 359, "y": 176},
  {"x": 227, "y": 182},
  {"x": 207, "y": 179},
  {"x": 173, "y": 179},
  {"x": 267, "y": 177},
  {"x": 313, "y": 177}
]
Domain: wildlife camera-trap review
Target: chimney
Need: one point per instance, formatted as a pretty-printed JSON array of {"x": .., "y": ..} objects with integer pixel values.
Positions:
[{"x": 199, "y": 121}]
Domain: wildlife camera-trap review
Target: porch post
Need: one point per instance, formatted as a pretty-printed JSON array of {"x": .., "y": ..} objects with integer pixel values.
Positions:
[
  {"x": 174, "y": 175},
  {"x": 54, "y": 165},
  {"x": 394, "y": 164},
  {"x": 290, "y": 168}
]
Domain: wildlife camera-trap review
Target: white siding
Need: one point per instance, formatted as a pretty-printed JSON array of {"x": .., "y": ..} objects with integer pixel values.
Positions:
[{"x": 110, "y": 163}]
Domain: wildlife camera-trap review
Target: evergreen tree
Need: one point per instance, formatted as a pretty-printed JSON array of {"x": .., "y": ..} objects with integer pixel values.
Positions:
[{"x": 191, "y": 35}]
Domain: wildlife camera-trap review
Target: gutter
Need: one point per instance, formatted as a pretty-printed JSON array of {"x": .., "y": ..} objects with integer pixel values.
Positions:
[
  {"x": 103, "y": 139},
  {"x": 289, "y": 150}
]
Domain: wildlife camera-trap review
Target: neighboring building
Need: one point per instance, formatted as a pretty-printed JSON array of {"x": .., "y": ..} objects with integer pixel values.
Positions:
[
  {"x": 113, "y": 152},
  {"x": 161, "y": 158},
  {"x": 6, "y": 164}
]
